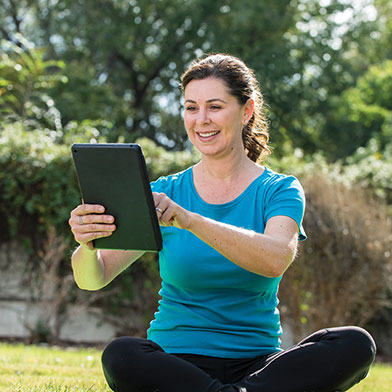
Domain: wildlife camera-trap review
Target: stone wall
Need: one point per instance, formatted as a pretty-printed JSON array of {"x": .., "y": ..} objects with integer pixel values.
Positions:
[{"x": 19, "y": 315}]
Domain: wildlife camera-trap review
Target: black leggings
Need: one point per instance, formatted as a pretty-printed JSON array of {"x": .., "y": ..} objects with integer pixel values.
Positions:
[{"x": 329, "y": 360}]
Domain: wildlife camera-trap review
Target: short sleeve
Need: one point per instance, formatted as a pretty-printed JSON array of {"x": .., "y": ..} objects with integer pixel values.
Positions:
[
  {"x": 159, "y": 185},
  {"x": 286, "y": 197},
  {"x": 169, "y": 184}
]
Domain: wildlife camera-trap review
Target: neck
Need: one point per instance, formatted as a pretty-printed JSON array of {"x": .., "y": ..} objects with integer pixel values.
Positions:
[{"x": 225, "y": 168}]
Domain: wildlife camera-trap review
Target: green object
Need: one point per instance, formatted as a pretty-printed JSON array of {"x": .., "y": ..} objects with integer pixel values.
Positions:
[{"x": 115, "y": 176}]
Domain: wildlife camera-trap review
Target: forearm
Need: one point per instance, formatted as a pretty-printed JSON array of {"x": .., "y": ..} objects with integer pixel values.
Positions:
[
  {"x": 255, "y": 252},
  {"x": 95, "y": 269},
  {"x": 267, "y": 254},
  {"x": 88, "y": 269}
]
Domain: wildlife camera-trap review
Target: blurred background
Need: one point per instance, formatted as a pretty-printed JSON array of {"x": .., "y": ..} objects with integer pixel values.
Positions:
[{"x": 108, "y": 71}]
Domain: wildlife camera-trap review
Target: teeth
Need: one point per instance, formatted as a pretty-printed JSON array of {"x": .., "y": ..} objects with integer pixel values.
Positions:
[{"x": 208, "y": 134}]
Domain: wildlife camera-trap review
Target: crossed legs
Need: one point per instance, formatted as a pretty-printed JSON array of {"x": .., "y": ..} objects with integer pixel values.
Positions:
[{"x": 329, "y": 360}]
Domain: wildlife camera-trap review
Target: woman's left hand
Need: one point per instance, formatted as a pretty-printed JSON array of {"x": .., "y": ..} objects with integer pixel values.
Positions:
[{"x": 170, "y": 213}]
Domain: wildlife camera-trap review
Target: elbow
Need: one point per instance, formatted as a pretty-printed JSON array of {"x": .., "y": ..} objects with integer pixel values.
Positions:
[
  {"x": 84, "y": 283},
  {"x": 84, "y": 280},
  {"x": 281, "y": 262},
  {"x": 275, "y": 271}
]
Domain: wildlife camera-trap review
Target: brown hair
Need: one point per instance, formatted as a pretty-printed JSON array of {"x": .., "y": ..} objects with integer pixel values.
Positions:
[{"x": 242, "y": 84}]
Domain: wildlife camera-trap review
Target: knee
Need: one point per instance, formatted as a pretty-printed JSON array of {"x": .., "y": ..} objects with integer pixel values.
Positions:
[
  {"x": 361, "y": 344},
  {"x": 126, "y": 362},
  {"x": 120, "y": 356}
]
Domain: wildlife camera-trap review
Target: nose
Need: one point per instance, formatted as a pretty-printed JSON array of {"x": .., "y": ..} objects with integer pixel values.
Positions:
[{"x": 203, "y": 116}]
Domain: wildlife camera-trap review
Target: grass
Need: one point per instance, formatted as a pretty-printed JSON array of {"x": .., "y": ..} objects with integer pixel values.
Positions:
[
  {"x": 50, "y": 369},
  {"x": 378, "y": 380}
]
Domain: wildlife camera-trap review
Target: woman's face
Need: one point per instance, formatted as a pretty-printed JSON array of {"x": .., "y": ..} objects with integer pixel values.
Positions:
[{"x": 214, "y": 118}]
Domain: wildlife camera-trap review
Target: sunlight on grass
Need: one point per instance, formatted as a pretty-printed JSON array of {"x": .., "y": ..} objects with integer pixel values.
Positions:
[
  {"x": 44, "y": 369},
  {"x": 51, "y": 369}
]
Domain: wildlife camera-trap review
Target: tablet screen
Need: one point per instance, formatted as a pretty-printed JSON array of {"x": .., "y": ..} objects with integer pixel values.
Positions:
[{"x": 115, "y": 176}]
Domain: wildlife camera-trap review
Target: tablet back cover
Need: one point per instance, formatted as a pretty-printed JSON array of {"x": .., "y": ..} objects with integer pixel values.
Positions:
[{"x": 115, "y": 176}]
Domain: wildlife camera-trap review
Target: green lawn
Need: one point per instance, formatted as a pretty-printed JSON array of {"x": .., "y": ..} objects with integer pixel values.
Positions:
[{"x": 42, "y": 369}]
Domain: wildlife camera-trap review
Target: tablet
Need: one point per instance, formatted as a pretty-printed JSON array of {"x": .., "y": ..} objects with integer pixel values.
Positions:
[{"x": 115, "y": 176}]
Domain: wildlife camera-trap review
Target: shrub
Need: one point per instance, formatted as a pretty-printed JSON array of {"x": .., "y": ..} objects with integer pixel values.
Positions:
[
  {"x": 38, "y": 185},
  {"x": 342, "y": 274},
  {"x": 339, "y": 277},
  {"x": 370, "y": 168},
  {"x": 161, "y": 162},
  {"x": 38, "y": 189}
]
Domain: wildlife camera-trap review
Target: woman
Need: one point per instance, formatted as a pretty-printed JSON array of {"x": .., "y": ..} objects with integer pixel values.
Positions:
[{"x": 230, "y": 230}]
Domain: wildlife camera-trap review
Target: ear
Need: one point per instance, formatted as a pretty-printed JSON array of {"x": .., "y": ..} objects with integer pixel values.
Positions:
[{"x": 248, "y": 110}]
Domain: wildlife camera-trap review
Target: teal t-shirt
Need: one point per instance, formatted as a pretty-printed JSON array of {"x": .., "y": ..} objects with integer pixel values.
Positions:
[{"x": 211, "y": 306}]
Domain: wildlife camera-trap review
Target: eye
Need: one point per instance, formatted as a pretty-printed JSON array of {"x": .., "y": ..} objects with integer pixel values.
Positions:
[
  {"x": 190, "y": 108},
  {"x": 215, "y": 107}
]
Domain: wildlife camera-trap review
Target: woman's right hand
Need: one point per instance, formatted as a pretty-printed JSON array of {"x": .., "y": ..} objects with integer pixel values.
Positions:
[{"x": 88, "y": 222}]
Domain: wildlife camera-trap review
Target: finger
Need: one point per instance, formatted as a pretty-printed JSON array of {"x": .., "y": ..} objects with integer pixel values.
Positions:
[
  {"x": 161, "y": 206},
  {"x": 168, "y": 215},
  {"x": 88, "y": 237},
  {"x": 157, "y": 196},
  {"x": 93, "y": 218},
  {"x": 84, "y": 209},
  {"x": 83, "y": 223},
  {"x": 96, "y": 228},
  {"x": 160, "y": 198},
  {"x": 159, "y": 212}
]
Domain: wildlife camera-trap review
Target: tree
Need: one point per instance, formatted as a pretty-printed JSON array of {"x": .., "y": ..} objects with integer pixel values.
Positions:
[
  {"x": 123, "y": 59},
  {"x": 135, "y": 54},
  {"x": 363, "y": 112},
  {"x": 25, "y": 81},
  {"x": 332, "y": 45},
  {"x": 126, "y": 68}
]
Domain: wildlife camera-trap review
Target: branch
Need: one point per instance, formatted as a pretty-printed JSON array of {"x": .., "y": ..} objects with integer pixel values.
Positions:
[
  {"x": 128, "y": 63},
  {"x": 14, "y": 14},
  {"x": 5, "y": 34}
]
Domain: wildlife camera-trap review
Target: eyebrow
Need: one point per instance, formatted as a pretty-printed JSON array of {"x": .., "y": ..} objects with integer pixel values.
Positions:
[{"x": 208, "y": 101}]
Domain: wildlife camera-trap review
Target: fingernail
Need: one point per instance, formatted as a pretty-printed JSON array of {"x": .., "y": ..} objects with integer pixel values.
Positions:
[{"x": 101, "y": 209}]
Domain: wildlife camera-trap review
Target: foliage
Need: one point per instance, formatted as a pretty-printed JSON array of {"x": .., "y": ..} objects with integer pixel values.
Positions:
[
  {"x": 324, "y": 68},
  {"x": 347, "y": 253},
  {"x": 36, "y": 179},
  {"x": 126, "y": 69},
  {"x": 133, "y": 57},
  {"x": 38, "y": 189},
  {"x": 371, "y": 169},
  {"x": 45, "y": 369},
  {"x": 25, "y": 78},
  {"x": 37, "y": 186},
  {"x": 161, "y": 162},
  {"x": 362, "y": 113},
  {"x": 346, "y": 256}
]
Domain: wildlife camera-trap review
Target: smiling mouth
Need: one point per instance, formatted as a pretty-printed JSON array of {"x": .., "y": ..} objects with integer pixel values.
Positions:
[{"x": 206, "y": 135}]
